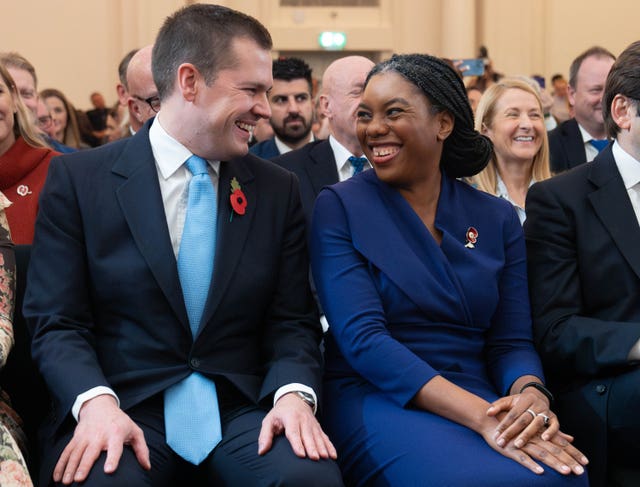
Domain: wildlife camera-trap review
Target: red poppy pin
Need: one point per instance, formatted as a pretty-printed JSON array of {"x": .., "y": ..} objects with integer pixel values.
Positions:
[
  {"x": 237, "y": 198},
  {"x": 472, "y": 238}
]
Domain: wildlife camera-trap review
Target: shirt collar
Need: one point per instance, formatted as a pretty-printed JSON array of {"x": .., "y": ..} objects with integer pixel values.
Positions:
[
  {"x": 342, "y": 154},
  {"x": 284, "y": 148},
  {"x": 168, "y": 152},
  {"x": 628, "y": 166},
  {"x": 586, "y": 136},
  {"x": 501, "y": 188}
]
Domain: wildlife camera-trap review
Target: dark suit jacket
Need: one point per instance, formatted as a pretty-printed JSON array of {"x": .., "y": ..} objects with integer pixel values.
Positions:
[
  {"x": 566, "y": 147},
  {"x": 265, "y": 149},
  {"x": 104, "y": 300},
  {"x": 315, "y": 166},
  {"x": 584, "y": 278}
]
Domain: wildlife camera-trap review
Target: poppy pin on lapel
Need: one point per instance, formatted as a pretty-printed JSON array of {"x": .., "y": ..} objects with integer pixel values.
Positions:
[{"x": 472, "y": 238}]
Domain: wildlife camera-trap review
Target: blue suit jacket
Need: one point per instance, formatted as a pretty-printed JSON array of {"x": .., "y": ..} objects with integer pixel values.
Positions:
[
  {"x": 402, "y": 308},
  {"x": 265, "y": 149},
  {"x": 104, "y": 301}
]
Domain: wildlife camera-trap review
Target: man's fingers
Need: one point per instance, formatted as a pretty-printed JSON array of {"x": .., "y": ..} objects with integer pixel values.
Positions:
[
  {"x": 114, "y": 453},
  {"x": 61, "y": 465},
  {"x": 294, "y": 437},
  {"x": 140, "y": 448},
  {"x": 267, "y": 432},
  {"x": 308, "y": 439},
  {"x": 89, "y": 457}
]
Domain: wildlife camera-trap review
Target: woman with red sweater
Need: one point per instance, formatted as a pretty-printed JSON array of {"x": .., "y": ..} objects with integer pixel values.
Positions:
[{"x": 24, "y": 161}]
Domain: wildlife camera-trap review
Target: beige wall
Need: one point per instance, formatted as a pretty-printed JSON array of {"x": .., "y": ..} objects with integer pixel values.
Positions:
[{"x": 76, "y": 44}]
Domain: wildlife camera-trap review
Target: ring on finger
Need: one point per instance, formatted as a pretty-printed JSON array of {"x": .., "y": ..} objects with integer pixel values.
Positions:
[
  {"x": 546, "y": 419},
  {"x": 533, "y": 415}
]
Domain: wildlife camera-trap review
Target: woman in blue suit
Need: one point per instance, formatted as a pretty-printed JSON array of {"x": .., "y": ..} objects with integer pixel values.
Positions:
[{"x": 431, "y": 375}]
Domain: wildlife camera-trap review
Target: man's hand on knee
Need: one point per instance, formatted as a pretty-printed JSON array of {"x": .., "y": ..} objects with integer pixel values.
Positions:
[
  {"x": 102, "y": 426},
  {"x": 295, "y": 418}
]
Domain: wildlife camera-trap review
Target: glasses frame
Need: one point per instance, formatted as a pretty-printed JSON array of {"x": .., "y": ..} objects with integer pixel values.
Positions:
[{"x": 151, "y": 101}]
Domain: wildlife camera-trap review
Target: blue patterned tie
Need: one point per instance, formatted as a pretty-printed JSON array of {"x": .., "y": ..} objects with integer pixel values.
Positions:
[
  {"x": 599, "y": 144},
  {"x": 357, "y": 163},
  {"x": 191, "y": 414}
]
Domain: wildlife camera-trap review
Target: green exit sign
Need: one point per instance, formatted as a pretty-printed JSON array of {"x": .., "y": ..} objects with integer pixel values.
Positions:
[{"x": 332, "y": 41}]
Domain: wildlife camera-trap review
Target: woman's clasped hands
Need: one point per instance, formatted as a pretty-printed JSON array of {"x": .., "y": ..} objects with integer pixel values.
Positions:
[{"x": 528, "y": 430}]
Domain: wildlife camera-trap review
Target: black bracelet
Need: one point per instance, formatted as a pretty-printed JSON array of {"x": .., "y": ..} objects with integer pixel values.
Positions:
[{"x": 541, "y": 388}]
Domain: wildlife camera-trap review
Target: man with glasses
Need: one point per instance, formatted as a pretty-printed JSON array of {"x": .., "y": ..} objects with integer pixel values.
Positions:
[{"x": 144, "y": 102}]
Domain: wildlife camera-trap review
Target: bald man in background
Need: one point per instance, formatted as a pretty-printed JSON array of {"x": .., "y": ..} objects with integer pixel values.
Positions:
[
  {"x": 324, "y": 162},
  {"x": 143, "y": 101}
]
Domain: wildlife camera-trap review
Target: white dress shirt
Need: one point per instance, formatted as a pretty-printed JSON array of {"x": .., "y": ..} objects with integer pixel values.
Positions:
[
  {"x": 341, "y": 154},
  {"x": 589, "y": 149},
  {"x": 501, "y": 192},
  {"x": 629, "y": 169}
]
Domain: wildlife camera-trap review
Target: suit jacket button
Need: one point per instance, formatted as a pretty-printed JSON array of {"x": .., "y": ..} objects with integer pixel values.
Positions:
[
  {"x": 601, "y": 389},
  {"x": 195, "y": 363}
]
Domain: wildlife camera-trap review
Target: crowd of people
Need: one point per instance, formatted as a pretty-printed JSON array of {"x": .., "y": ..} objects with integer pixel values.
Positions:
[{"x": 405, "y": 276}]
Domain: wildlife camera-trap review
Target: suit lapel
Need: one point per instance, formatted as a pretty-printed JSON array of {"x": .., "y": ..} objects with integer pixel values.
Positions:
[
  {"x": 418, "y": 266},
  {"x": 576, "y": 154},
  {"x": 611, "y": 203},
  {"x": 321, "y": 166},
  {"x": 141, "y": 202},
  {"x": 232, "y": 232}
]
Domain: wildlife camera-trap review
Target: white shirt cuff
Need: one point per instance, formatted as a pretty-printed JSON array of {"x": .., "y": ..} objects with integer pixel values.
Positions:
[
  {"x": 295, "y": 387},
  {"x": 90, "y": 394},
  {"x": 324, "y": 323}
]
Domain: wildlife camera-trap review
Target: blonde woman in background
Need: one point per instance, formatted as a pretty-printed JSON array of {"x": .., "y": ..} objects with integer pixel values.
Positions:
[
  {"x": 510, "y": 113},
  {"x": 24, "y": 161}
]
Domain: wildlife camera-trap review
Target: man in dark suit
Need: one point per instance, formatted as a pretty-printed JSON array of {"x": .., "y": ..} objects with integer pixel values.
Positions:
[
  {"x": 326, "y": 162},
  {"x": 578, "y": 140},
  {"x": 112, "y": 312},
  {"x": 291, "y": 104},
  {"x": 582, "y": 232}
]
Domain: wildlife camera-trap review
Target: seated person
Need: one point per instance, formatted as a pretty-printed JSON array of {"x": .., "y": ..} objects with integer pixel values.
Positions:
[
  {"x": 582, "y": 237},
  {"x": 13, "y": 467},
  {"x": 510, "y": 113},
  {"x": 431, "y": 375}
]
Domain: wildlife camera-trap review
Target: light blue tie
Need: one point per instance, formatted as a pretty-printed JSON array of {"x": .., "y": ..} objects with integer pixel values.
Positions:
[
  {"x": 191, "y": 413},
  {"x": 357, "y": 163}
]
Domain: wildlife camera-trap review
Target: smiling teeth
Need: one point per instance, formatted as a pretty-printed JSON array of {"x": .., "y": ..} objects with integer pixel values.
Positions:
[
  {"x": 381, "y": 152},
  {"x": 524, "y": 139},
  {"x": 245, "y": 126}
]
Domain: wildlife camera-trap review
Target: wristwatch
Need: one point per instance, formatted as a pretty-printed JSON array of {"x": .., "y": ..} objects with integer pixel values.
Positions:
[{"x": 308, "y": 398}]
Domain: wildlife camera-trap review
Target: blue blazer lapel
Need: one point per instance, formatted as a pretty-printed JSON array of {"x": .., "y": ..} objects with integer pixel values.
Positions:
[
  {"x": 398, "y": 243},
  {"x": 139, "y": 196},
  {"x": 611, "y": 203},
  {"x": 232, "y": 232}
]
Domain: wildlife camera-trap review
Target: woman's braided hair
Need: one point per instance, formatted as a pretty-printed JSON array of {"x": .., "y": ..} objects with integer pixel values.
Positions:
[{"x": 465, "y": 152}]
